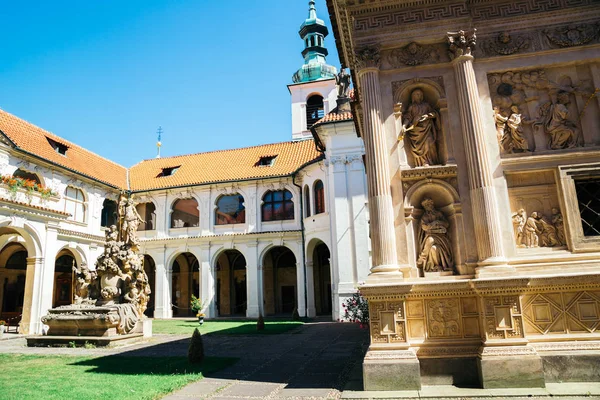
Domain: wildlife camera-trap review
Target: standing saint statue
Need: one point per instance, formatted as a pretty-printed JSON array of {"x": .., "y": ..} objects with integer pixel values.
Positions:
[
  {"x": 342, "y": 80},
  {"x": 131, "y": 222},
  {"x": 531, "y": 231},
  {"x": 435, "y": 247},
  {"x": 421, "y": 126},
  {"x": 519, "y": 219}
]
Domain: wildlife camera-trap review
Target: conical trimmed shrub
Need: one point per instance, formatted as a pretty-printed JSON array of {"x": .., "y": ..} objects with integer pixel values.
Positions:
[
  {"x": 196, "y": 349},
  {"x": 295, "y": 315},
  {"x": 260, "y": 324}
]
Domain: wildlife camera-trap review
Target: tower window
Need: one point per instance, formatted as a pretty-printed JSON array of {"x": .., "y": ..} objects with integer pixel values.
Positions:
[{"x": 314, "y": 110}]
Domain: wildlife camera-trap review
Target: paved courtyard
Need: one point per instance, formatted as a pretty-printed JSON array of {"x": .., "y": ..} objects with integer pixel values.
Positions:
[{"x": 314, "y": 361}]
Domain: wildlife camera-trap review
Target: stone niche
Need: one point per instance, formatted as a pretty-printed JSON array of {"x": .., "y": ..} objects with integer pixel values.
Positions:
[
  {"x": 416, "y": 136},
  {"x": 440, "y": 185},
  {"x": 545, "y": 110},
  {"x": 535, "y": 211}
]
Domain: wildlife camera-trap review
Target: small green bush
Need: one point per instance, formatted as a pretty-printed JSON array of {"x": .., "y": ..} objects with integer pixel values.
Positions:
[
  {"x": 260, "y": 324},
  {"x": 196, "y": 349}
]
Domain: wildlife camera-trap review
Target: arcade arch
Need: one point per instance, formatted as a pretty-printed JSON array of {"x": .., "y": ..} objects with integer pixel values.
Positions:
[
  {"x": 280, "y": 290},
  {"x": 231, "y": 289},
  {"x": 150, "y": 270},
  {"x": 185, "y": 283}
]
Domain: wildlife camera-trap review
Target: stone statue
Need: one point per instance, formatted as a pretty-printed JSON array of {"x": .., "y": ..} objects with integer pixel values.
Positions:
[
  {"x": 546, "y": 231},
  {"x": 421, "y": 126},
  {"x": 131, "y": 223},
  {"x": 500, "y": 120},
  {"x": 557, "y": 221},
  {"x": 342, "y": 80},
  {"x": 531, "y": 231},
  {"x": 84, "y": 284},
  {"x": 554, "y": 118},
  {"x": 519, "y": 219},
  {"x": 435, "y": 247},
  {"x": 513, "y": 140}
]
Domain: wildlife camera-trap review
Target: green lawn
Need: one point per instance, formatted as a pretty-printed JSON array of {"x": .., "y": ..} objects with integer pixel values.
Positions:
[
  {"x": 114, "y": 377},
  {"x": 186, "y": 327}
]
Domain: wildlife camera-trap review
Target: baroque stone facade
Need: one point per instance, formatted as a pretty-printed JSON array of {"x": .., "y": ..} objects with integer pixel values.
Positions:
[{"x": 491, "y": 137}]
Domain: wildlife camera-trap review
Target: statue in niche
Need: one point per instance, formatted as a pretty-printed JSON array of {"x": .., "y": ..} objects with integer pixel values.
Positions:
[
  {"x": 557, "y": 221},
  {"x": 436, "y": 249},
  {"x": 421, "y": 126},
  {"x": 531, "y": 231},
  {"x": 519, "y": 220},
  {"x": 546, "y": 232},
  {"x": 554, "y": 118}
]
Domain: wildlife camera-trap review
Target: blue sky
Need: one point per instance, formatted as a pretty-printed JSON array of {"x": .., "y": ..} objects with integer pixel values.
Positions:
[{"x": 106, "y": 73}]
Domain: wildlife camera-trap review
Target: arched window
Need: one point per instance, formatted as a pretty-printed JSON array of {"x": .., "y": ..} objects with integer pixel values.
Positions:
[
  {"x": 319, "y": 195},
  {"x": 314, "y": 110},
  {"x": 185, "y": 214},
  {"x": 312, "y": 41},
  {"x": 147, "y": 212},
  {"x": 277, "y": 206},
  {"x": 307, "y": 201},
  {"x": 230, "y": 210},
  {"x": 19, "y": 173},
  {"x": 108, "y": 216},
  {"x": 75, "y": 204}
]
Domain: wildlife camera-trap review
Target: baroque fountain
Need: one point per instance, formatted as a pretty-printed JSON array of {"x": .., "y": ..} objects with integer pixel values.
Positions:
[{"x": 109, "y": 302}]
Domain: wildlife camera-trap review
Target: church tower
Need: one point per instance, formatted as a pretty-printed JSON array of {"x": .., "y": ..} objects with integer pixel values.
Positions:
[{"x": 313, "y": 91}]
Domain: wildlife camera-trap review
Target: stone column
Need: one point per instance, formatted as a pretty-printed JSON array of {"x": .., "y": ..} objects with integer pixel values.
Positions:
[
  {"x": 30, "y": 319},
  {"x": 483, "y": 194},
  {"x": 252, "y": 280},
  {"x": 207, "y": 281},
  {"x": 162, "y": 284},
  {"x": 381, "y": 209}
]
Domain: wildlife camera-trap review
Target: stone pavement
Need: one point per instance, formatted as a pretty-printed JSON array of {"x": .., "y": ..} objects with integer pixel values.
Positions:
[{"x": 314, "y": 361}]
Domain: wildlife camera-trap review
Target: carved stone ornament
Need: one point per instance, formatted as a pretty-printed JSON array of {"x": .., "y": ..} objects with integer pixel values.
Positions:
[
  {"x": 505, "y": 44},
  {"x": 413, "y": 54},
  {"x": 461, "y": 43},
  {"x": 421, "y": 126},
  {"x": 555, "y": 120},
  {"x": 572, "y": 35},
  {"x": 368, "y": 57},
  {"x": 536, "y": 231},
  {"x": 435, "y": 249}
]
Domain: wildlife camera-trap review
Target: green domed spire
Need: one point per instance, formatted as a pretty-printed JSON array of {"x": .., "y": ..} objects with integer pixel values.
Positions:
[{"x": 313, "y": 31}]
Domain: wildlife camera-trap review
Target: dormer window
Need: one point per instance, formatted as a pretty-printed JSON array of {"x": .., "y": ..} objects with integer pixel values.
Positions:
[
  {"x": 266, "y": 161},
  {"x": 168, "y": 171},
  {"x": 58, "y": 147}
]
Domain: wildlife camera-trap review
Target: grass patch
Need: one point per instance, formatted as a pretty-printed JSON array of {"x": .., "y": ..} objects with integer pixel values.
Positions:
[
  {"x": 113, "y": 377},
  {"x": 186, "y": 327}
]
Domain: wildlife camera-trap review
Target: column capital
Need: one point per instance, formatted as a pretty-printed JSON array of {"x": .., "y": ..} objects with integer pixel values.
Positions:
[
  {"x": 461, "y": 43},
  {"x": 368, "y": 58}
]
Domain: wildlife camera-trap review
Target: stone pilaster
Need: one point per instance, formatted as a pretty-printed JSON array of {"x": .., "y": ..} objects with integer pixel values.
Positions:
[
  {"x": 483, "y": 194},
  {"x": 378, "y": 174},
  {"x": 30, "y": 319}
]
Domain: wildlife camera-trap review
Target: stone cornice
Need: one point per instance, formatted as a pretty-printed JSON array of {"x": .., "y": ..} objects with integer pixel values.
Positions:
[
  {"x": 28, "y": 209},
  {"x": 81, "y": 235}
]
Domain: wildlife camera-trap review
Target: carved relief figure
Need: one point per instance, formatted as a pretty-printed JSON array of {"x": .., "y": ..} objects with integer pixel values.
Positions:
[
  {"x": 569, "y": 36},
  {"x": 505, "y": 45},
  {"x": 518, "y": 220},
  {"x": 513, "y": 140},
  {"x": 531, "y": 231},
  {"x": 557, "y": 221},
  {"x": 421, "y": 127},
  {"x": 435, "y": 247},
  {"x": 413, "y": 54},
  {"x": 546, "y": 232},
  {"x": 554, "y": 118}
]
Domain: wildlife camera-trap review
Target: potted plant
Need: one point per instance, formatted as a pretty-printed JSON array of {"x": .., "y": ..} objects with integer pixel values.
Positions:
[
  {"x": 2, "y": 327},
  {"x": 198, "y": 307}
]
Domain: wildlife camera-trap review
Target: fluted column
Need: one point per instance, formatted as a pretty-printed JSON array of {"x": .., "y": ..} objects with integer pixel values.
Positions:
[
  {"x": 383, "y": 239},
  {"x": 483, "y": 194}
]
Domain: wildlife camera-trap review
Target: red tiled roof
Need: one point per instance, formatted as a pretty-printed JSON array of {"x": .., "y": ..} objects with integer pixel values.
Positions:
[
  {"x": 223, "y": 166},
  {"x": 33, "y": 140}
]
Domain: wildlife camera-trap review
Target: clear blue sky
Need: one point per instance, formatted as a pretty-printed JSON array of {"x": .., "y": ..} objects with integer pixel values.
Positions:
[{"x": 106, "y": 73}]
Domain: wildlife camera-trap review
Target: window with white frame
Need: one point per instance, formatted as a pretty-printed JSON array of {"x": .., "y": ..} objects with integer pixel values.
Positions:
[{"x": 75, "y": 204}]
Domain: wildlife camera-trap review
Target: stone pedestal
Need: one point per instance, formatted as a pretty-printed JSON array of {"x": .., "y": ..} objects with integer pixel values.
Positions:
[
  {"x": 391, "y": 370},
  {"x": 510, "y": 367}
]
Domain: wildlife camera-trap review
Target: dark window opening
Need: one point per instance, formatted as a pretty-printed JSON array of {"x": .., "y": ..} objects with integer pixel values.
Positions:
[
  {"x": 230, "y": 210},
  {"x": 266, "y": 161},
  {"x": 278, "y": 206},
  {"x": 19, "y": 173},
  {"x": 319, "y": 193},
  {"x": 315, "y": 110},
  {"x": 168, "y": 171},
  {"x": 58, "y": 147},
  {"x": 588, "y": 197},
  {"x": 307, "y": 200},
  {"x": 108, "y": 216}
]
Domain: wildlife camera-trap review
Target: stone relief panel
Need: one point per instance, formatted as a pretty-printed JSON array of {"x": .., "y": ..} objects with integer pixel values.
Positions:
[
  {"x": 414, "y": 54},
  {"x": 544, "y": 110},
  {"x": 508, "y": 43},
  {"x": 561, "y": 313},
  {"x": 536, "y": 216},
  {"x": 443, "y": 318},
  {"x": 503, "y": 318},
  {"x": 387, "y": 322},
  {"x": 572, "y": 35}
]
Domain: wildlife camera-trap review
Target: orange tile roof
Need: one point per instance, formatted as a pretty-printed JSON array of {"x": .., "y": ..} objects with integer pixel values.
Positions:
[
  {"x": 223, "y": 166},
  {"x": 32, "y": 139}
]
